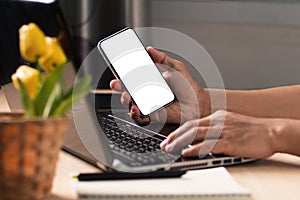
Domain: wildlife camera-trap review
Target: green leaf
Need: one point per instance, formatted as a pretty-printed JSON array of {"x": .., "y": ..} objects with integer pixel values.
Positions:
[
  {"x": 53, "y": 99},
  {"x": 28, "y": 104},
  {"x": 46, "y": 89},
  {"x": 81, "y": 88},
  {"x": 73, "y": 95},
  {"x": 63, "y": 107}
]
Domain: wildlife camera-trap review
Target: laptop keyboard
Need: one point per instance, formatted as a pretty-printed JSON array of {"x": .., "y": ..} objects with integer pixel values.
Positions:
[{"x": 140, "y": 146}]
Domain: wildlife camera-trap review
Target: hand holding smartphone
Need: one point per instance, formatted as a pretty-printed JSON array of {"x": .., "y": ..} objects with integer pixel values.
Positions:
[{"x": 131, "y": 64}]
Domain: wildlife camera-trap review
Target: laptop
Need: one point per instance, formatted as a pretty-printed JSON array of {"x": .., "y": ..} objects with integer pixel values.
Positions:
[
  {"x": 117, "y": 143},
  {"x": 97, "y": 132}
]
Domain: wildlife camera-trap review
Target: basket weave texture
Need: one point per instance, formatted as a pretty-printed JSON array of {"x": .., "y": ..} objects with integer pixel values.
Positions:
[{"x": 28, "y": 154}]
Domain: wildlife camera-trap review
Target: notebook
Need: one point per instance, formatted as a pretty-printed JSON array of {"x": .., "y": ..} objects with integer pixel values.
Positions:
[{"x": 214, "y": 183}]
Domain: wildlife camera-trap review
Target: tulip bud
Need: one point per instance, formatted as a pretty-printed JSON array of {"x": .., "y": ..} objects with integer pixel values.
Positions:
[
  {"x": 54, "y": 55},
  {"x": 32, "y": 42},
  {"x": 29, "y": 77}
]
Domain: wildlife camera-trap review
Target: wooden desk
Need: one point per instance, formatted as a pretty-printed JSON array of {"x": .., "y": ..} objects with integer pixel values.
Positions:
[{"x": 276, "y": 178}]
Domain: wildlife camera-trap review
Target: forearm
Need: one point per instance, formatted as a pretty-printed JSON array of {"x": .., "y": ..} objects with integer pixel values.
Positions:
[
  {"x": 285, "y": 136},
  {"x": 280, "y": 102}
]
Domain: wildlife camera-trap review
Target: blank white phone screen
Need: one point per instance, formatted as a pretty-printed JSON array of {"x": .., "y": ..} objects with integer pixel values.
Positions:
[{"x": 137, "y": 71}]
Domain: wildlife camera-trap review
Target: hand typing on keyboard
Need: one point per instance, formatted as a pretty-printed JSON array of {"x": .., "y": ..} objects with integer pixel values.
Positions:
[{"x": 253, "y": 115}]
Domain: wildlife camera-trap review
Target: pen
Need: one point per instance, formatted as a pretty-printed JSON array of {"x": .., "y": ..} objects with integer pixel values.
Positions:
[{"x": 125, "y": 175}]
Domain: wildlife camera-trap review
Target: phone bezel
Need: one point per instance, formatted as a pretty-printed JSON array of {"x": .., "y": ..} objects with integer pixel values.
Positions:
[{"x": 111, "y": 67}]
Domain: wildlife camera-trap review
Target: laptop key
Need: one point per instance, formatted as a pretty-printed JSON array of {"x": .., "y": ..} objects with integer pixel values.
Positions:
[{"x": 134, "y": 142}]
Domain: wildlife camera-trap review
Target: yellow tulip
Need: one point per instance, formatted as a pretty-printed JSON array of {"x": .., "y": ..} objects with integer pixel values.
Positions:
[
  {"x": 54, "y": 55},
  {"x": 29, "y": 77},
  {"x": 32, "y": 42}
]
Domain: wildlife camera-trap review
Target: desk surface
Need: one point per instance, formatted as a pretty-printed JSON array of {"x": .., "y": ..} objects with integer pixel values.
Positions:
[{"x": 277, "y": 177}]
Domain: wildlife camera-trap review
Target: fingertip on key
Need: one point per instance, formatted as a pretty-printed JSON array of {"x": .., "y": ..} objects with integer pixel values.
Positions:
[{"x": 163, "y": 144}]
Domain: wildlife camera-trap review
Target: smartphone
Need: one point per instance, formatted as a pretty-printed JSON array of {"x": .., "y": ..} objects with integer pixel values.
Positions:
[{"x": 129, "y": 61}]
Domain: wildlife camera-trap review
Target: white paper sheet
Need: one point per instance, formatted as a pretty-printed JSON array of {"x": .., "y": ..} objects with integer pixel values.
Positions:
[{"x": 206, "y": 182}]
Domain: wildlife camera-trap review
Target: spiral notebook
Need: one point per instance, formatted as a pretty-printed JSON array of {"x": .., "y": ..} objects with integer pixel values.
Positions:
[{"x": 215, "y": 183}]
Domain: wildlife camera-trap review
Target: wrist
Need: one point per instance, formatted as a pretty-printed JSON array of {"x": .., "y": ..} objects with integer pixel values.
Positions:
[
  {"x": 276, "y": 133},
  {"x": 211, "y": 100},
  {"x": 204, "y": 102}
]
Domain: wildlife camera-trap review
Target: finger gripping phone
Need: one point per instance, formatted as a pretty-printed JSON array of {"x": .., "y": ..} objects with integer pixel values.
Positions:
[{"x": 129, "y": 61}]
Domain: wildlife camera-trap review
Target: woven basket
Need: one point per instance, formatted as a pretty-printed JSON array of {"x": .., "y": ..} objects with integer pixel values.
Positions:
[{"x": 28, "y": 154}]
